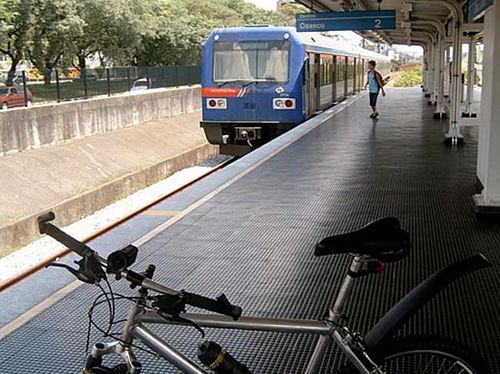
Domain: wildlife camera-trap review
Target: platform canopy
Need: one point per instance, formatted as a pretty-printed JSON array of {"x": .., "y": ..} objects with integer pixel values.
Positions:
[{"x": 416, "y": 20}]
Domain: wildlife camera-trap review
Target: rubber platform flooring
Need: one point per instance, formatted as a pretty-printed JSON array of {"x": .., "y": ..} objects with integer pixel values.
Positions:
[{"x": 254, "y": 242}]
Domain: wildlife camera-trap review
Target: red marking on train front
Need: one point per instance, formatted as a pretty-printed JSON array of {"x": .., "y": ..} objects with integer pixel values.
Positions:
[
  {"x": 220, "y": 92},
  {"x": 224, "y": 92}
]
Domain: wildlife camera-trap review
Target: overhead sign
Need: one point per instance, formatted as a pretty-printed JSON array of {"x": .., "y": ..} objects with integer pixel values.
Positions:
[
  {"x": 475, "y": 8},
  {"x": 341, "y": 21}
]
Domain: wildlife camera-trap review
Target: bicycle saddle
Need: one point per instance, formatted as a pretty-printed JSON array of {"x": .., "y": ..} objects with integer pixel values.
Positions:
[{"x": 382, "y": 239}]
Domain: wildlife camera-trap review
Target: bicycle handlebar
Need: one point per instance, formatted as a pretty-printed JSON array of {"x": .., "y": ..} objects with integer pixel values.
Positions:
[
  {"x": 45, "y": 227},
  {"x": 91, "y": 271},
  {"x": 219, "y": 305}
]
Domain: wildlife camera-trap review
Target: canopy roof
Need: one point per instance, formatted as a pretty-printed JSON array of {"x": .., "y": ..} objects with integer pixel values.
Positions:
[{"x": 417, "y": 21}]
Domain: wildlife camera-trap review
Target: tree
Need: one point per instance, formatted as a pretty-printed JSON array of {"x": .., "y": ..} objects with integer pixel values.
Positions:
[
  {"x": 183, "y": 26},
  {"x": 15, "y": 18},
  {"x": 116, "y": 32},
  {"x": 54, "y": 27}
]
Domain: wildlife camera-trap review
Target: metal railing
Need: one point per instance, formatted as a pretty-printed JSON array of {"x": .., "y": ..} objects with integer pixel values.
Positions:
[{"x": 73, "y": 84}]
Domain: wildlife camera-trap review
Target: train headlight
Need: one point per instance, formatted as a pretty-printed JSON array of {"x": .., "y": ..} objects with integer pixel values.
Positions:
[
  {"x": 214, "y": 103},
  {"x": 283, "y": 103},
  {"x": 286, "y": 36}
]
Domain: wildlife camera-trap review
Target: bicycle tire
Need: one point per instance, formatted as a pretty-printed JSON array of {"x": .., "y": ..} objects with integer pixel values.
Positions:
[{"x": 429, "y": 355}]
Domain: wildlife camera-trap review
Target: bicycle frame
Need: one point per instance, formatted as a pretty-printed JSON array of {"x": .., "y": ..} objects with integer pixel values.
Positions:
[
  {"x": 91, "y": 271},
  {"x": 326, "y": 330}
]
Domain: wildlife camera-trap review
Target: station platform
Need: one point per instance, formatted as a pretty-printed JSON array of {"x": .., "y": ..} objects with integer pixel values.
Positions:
[{"x": 249, "y": 231}]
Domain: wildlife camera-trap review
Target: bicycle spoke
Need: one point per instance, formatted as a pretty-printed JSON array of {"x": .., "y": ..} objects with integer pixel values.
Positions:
[
  {"x": 429, "y": 364},
  {"x": 422, "y": 362}
]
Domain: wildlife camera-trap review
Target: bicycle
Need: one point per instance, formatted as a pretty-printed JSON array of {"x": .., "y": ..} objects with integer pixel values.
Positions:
[{"x": 379, "y": 242}]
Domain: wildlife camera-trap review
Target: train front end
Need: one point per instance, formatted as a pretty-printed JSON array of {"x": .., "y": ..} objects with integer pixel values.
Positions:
[{"x": 251, "y": 86}]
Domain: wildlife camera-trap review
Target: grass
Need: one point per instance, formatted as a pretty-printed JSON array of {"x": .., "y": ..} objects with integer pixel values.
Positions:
[
  {"x": 410, "y": 76},
  {"x": 71, "y": 90}
]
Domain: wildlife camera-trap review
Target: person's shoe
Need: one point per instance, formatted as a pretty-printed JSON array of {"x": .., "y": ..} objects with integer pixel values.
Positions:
[
  {"x": 376, "y": 114},
  {"x": 372, "y": 115}
]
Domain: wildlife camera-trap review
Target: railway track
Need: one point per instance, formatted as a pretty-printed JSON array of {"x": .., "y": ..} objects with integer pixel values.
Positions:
[{"x": 41, "y": 264}]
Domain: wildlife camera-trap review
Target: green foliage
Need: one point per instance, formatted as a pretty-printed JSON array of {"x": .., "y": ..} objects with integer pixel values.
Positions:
[
  {"x": 410, "y": 77},
  {"x": 55, "y": 33},
  {"x": 113, "y": 28},
  {"x": 15, "y": 18},
  {"x": 184, "y": 25},
  {"x": 54, "y": 25}
]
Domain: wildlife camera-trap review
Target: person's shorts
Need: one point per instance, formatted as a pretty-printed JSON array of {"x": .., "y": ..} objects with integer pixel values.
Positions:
[{"x": 373, "y": 98}]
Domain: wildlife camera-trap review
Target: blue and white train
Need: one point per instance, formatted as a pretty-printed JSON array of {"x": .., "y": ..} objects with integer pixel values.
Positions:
[{"x": 258, "y": 82}]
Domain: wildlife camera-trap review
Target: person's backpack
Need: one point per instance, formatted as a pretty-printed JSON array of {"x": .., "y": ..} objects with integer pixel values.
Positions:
[{"x": 383, "y": 79}]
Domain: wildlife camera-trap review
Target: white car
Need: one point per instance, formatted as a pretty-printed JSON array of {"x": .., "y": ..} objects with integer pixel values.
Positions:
[{"x": 140, "y": 84}]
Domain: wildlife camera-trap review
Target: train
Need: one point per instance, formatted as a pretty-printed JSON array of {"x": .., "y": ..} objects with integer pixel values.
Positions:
[{"x": 261, "y": 81}]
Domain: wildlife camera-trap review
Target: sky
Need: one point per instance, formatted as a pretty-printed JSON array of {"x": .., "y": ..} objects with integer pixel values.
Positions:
[
  {"x": 266, "y": 4},
  {"x": 349, "y": 35}
]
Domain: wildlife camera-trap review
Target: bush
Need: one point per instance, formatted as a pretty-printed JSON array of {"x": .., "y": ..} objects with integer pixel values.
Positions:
[{"x": 409, "y": 78}]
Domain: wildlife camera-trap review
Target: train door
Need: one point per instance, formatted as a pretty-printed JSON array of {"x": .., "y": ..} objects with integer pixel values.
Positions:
[
  {"x": 317, "y": 82},
  {"x": 361, "y": 72},
  {"x": 305, "y": 87},
  {"x": 333, "y": 79},
  {"x": 309, "y": 85},
  {"x": 312, "y": 84},
  {"x": 355, "y": 83},
  {"x": 340, "y": 84},
  {"x": 346, "y": 77}
]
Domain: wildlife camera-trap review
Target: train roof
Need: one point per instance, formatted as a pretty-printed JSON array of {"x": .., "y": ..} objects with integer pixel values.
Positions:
[{"x": 313, "y": 41}]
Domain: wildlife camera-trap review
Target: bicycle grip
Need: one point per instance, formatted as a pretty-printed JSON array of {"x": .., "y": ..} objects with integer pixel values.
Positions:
[
  {"x": 219, "y": 305},
  {"x": 43, "y": 219}
]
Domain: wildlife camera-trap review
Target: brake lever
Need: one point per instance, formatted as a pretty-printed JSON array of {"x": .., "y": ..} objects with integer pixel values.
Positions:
[
  {"x": 89, "y": 269},
  {"x": 64, "y": 266}
]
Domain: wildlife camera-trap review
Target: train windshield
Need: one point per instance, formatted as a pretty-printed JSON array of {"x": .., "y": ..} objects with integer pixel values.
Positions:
[{"x": 252, "y": 61}]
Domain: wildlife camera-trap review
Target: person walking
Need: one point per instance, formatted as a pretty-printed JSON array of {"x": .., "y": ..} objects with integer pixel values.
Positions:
[{"x": 375, "y": 84}]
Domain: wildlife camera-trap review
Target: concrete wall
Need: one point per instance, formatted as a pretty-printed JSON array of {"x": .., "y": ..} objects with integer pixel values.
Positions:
[{"x": 27, "y": 128}]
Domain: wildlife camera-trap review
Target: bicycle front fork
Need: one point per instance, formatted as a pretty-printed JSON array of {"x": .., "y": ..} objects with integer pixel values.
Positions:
[{"x": 99, "y": 350}]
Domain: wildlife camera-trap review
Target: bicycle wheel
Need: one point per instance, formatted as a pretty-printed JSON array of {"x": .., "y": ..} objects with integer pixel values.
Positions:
[{"x": 429, "y": 355}]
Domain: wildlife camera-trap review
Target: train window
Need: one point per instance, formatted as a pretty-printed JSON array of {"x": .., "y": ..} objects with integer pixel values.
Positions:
[
  {"x": 253, "y": 61},
  {"x": 326, "y": 70},
  {"x": 340, "y": 69}
]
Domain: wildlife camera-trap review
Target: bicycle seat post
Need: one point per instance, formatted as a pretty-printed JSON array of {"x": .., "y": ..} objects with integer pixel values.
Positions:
[{"x": 336, "y": 314}]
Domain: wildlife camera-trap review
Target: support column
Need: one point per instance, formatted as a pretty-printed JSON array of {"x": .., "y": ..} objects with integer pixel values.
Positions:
[
  {"x": 447, "y": 72},
  {"x": 488, "y": 168},
  {"x": 440, "y": 111},
  {"x": 454, "y": 137},
  {"x": 437, "y": 69},
  {"x": 471, "y": 79},
  {"x": 430, "y": 75},
  {"x": 425, "y": 71}
]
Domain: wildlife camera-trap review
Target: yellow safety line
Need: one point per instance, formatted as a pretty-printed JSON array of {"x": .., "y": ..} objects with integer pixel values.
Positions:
[
  {"x": 160, "y": 213},
  {"x": 21, "y": 320}
]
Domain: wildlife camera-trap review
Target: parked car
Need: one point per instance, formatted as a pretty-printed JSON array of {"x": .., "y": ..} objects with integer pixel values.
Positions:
[
  {"x": 18, "y": 78},
  {"x": 11, "y": 97},
  {"x": 140, "y": 84}
]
